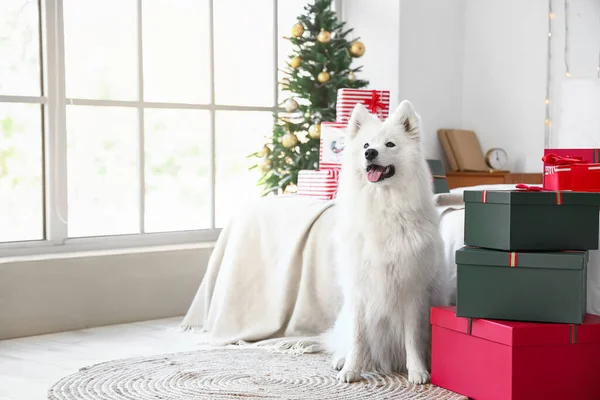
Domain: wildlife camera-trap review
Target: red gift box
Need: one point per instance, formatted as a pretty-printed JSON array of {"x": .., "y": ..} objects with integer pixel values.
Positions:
[
  {"x": 376, "y": 101},
  {"x": 321, "y": 184},
  {"x": 557, "y": 177},
  {"x": 502, "y": 360},
  {"x": 585, "y": 177},
  {"x": 553, "y": 182},
  {"x": 332, "y": 144}
]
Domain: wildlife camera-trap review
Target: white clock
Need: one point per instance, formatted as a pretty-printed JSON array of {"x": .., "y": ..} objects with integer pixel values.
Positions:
[{"x": 496, "y": 158}]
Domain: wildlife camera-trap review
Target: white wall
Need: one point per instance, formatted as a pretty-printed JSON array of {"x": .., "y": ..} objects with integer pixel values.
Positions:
[
  {"x": 504, "y": 80},
  {"x": 584, "y": 45},
  {"x": 504, "y": 77},
  {"x": 431, "y": 63},
  {"x": 377, "y": 26},
  {"x": 414, "y": 49},
  {"x": 478, "y": 64}
]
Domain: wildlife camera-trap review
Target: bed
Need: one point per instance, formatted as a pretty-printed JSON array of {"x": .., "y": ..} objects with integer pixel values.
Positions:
[{"x": 270, "y": 274}]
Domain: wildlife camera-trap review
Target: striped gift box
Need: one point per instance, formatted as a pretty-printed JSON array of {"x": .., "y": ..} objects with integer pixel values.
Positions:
[
  {"x": 332, "y": 144},
  {"x": 376, "y": 101},
  {"x": 321, "y": 184}
]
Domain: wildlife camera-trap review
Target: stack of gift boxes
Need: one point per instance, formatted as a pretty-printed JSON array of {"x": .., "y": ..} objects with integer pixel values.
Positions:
[
  {"x": 323, "y": 183},
  {"x": 520, "y": 329}
]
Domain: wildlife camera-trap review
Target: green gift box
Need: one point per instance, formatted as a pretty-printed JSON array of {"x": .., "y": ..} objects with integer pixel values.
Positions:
[
  {"x": 535, "y": 287},
  {"x": 440, "y": 184},
  {"x": 527, "y": 220}
]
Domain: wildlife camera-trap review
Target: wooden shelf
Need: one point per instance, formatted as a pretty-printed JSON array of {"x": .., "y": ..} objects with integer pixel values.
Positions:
[{"x": 462, "y": 179}]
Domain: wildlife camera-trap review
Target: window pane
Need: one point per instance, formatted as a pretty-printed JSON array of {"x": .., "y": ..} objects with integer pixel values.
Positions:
[
  {"x": 244, "y": 52},
  {"x": 176, "y": 51},
  {"x": 19, "y": 48},
  {"x": 177, "y": 170},
  {"x": 103, "y": 179},
  {"x": 288, "y": 12},
  {"x": 101, "y": 49},
  {"x": 239, "y": 133},
  {"x": 21, "y": 188}
]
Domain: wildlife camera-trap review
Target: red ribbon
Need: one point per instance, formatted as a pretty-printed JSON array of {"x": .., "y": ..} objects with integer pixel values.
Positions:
[
  {"x": 374, "y": 103},
  {"x": 513, "y": 259},
  {"x": 528, "y": 188},
  {"x": 553, "y": 159}
]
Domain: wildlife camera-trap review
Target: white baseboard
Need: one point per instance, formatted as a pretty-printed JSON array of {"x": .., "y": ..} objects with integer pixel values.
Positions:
[{"x": 55, "y": 294}]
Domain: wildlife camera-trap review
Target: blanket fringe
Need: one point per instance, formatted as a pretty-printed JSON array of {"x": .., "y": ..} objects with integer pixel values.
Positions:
[
  {"x": 294, "y": 346},
  {"x": 192, "y": 328}
]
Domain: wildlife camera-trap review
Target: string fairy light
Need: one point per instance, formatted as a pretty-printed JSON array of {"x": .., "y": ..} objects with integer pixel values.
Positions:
[
  {"x": 567, "y": 69},
  {"x": 548, "y": 121}
]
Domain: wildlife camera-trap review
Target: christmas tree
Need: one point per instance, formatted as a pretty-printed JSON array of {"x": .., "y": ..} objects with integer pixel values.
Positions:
[{"x": 319, "y": 65}]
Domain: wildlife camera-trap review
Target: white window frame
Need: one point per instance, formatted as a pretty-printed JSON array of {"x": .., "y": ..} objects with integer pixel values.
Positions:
[{"x": 54, "y": 102}]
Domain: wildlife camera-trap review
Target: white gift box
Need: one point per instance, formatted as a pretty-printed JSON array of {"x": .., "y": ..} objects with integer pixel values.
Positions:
[{"x": 333, "y": 136}]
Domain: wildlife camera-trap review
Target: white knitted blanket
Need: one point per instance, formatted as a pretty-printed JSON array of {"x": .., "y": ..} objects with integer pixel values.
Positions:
[{"x": 271, "y": 275}]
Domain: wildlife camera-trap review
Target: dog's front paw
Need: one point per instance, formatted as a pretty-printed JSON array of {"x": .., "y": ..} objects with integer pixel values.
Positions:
[
  {"x": 338, "y": 363},
  {"x": 418, "y": 377},
  {"x": 348, "y": 376}
]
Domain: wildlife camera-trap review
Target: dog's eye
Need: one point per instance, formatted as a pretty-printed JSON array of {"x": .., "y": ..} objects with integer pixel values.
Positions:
[
  {"x": 366, "y": 145},
  {"x": 390, "y": 144}
]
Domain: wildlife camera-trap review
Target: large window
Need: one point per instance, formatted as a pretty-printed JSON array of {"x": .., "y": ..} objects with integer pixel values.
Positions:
[{"x": 128, "y": 122}]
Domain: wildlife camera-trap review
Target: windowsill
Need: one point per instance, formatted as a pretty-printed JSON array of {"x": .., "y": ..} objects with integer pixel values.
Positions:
[
  {"x": 98, "y": 246},
  {"x": 71, "y": 253}
]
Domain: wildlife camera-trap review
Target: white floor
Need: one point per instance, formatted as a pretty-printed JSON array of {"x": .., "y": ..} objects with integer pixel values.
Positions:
[{"x": 29, "y": 366}]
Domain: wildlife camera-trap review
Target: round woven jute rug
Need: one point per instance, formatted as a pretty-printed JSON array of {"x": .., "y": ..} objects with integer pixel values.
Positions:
[{"x": 233, "y": 374}]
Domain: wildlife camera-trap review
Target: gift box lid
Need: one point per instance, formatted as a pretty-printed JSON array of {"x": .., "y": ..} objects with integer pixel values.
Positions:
[
  {"x": 575, "y": 260},
  {"x": 592, "y": 154},
  {"x": 514, "y": 333},
  {"x": 518, "y": 197}
]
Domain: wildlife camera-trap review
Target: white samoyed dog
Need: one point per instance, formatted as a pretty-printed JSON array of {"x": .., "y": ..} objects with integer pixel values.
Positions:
[{"x": 389, "y": 251}]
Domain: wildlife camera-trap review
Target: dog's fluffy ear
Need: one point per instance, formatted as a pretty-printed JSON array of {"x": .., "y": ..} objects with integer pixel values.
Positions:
[
  {"x": 406, "y": 117},
  {"x": 359, "y": 116}
]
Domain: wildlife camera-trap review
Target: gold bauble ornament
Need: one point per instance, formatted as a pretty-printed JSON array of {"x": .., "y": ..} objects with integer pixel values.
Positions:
[
  {"x": 291, "y": 105},
  {"x": 296, "y": 61},
  {"x": 357, "y": 49},
  {"x": 265, "y": 166},
  {"x": 289, "y": 140},
  {"x": 291, "y": 188},
  {"x": 323, "y": 76},
  {"x": 351, "y": 76},
  {"x": 264, "y": 152},
  {"x": 314, "y": 131},
  {"x": 297, "y": 30},
  {"x": 324, "y": 36}
]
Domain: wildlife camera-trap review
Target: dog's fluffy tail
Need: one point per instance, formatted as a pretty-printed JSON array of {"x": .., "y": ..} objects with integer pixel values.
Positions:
[{"x": 292, "y": 345}]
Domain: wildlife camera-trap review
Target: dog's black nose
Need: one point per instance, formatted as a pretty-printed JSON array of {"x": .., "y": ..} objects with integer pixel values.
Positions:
[{"x": 370, "y": 154}]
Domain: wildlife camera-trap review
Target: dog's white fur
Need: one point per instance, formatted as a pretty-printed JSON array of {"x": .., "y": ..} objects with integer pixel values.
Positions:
[{"x": 389, "y": 250}]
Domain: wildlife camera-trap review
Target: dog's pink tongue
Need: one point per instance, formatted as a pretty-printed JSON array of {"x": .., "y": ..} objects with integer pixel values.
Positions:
[{"x": 374, "y": 174}]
